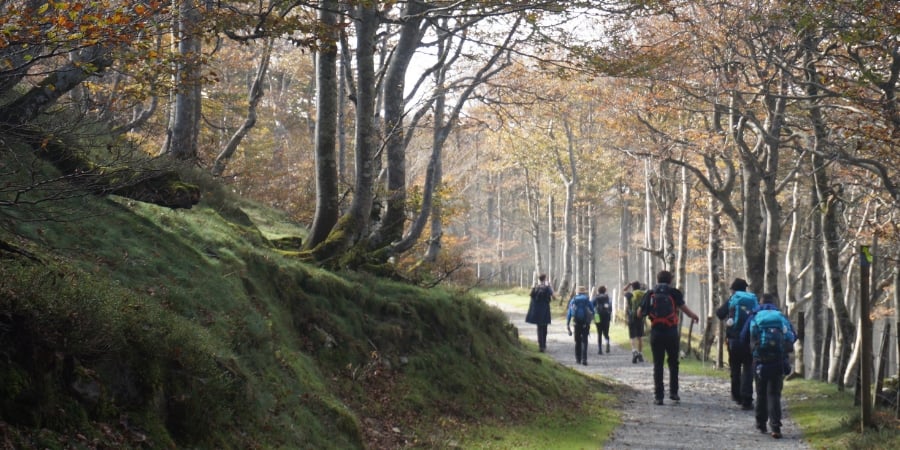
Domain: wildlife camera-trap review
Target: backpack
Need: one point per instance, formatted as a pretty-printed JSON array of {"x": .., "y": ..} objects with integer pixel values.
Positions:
[
  {"x": 662, "y": 310},
  {"x": 581, "y": 309},
  {"x": 601, "y": 307},
  {"x": 541, "y": 292},
  {"x": 740, "y": 306},
  {"x": 771, "y": 341},
  {"x": 636, "y": 297}
]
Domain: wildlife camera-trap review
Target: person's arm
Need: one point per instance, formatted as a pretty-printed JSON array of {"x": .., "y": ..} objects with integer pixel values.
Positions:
[
  {"x": 790, "y": 334},
  {"x": 722, "y": 311},
  {"x": 694, "y": 317}
]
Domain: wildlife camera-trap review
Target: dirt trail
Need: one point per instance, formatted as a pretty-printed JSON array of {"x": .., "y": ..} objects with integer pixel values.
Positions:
[{"x": 706, "y": 418}]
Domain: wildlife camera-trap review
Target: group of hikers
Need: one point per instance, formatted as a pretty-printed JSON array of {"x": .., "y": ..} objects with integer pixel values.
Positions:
[{"x": 759, "y": 337}]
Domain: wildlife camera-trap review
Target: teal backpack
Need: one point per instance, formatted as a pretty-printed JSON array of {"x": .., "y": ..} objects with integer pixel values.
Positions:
[{"x": 740, "y": 306}]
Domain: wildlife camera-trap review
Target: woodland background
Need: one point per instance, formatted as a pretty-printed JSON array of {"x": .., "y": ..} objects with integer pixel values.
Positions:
[{"x": 483, "y": 142}]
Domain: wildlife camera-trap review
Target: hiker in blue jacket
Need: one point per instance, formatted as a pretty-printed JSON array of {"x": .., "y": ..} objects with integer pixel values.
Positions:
[
  {"x": 735, "y": 313},
  {"x": 771, "y": 337},
  {"x": 582, "y": 310},
  {"x": 539, "y": 310}
]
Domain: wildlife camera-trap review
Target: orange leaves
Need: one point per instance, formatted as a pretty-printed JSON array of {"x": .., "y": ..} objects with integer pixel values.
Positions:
[{"x": 78, "y": 23}]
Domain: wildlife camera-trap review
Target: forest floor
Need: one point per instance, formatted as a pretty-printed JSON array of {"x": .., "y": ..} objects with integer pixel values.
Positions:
[{"x": 705, "y": 418}]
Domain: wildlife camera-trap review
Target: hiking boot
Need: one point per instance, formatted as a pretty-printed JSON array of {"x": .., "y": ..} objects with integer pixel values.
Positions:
[
  {"x": 675, "y": 398},
  {"x": 634, "y": 357},
  {"x": 584, "y": 362},
  {"x": 607, "y": 347},
  {"x": 776, "y": 433},
  {"x": 747, "y": 406},
  {"x": 640, "y": 357},
  {"x": 761, "y": 427},
  {"x": 658, "y": 401}
]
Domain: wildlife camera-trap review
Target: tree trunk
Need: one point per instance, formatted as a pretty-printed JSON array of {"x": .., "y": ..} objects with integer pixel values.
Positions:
[
  {"x": 351, "y": 227},
  {"x": 444, "y": 123},
  {"x": 411, "y": 32},
  {"x": 592, "y": 250},
  {"x": 27, "y": 107},
  {"x": 551, "y": 245},
  {"x": 255, "y": 95},
  {"x": 817, "y": 313},
  {"x": 569, "y": 178},
  {"x": 185, "y": 118},
  {"x": 828, "y": 216},
  {"x": 646, "y": 256},
  {"x": 532, "y": 202},
  {"x": 437, "y": 228},
  {"x": 624, "y": 235},
  {"x": 327, "y": 180},
  {"x": 714, "y": 274},
  {"x": 790, "y": 300},
  {"x": 683, "y": 224}
]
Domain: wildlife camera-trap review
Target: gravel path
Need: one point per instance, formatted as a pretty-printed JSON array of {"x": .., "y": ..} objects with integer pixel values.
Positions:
[{"x": 706, "y": 418}]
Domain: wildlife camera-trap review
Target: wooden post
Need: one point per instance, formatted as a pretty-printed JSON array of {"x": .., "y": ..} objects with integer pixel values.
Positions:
[
  {"x": 882, "y": 360},
  {"x": 865, "y": 364},
  {"x": 799, "y": 350}
]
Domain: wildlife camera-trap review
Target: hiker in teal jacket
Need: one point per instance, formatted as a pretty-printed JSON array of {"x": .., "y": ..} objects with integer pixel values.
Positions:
[
  {"x": 771, "y": 338},
  {"x": 735, "y": 313}
]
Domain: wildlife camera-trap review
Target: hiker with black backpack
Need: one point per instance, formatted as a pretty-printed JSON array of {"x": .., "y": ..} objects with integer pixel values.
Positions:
[
  {"x": 539, "y": 309},
  {"x": 661, "y": 305},
  {"x": 582, "y": 310},
  {"x": 771, "y": 337},
  {"x": 602, "y": 316},
  {"x": 735, "y": 313}
]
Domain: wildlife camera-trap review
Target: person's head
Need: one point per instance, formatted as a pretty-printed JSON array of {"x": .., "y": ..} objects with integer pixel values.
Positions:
[
  {"x": 601, "y": 290},
  {"x": 664, "y": 276},
  {"x": 739, "y": 284},
  {"x": 769, "y": 299},
  {"x": 581, "y": 290},
  {"x": 542, "y": 277},
  {"x": 635, "y": 285}
]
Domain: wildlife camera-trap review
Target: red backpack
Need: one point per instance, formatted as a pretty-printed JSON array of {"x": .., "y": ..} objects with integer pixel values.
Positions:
[{"x": 662, "y": 309}]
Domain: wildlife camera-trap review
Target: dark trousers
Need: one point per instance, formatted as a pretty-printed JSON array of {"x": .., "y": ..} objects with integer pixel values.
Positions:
[
  {"x": 740, "y": 362},
  {"x": 769, "y": 382},
  {"x": 542, "y": 336},
  {"x": 602, "y": 332},
  {"x": 582, "y": 330},
  {"x": 664, "y": 344}
]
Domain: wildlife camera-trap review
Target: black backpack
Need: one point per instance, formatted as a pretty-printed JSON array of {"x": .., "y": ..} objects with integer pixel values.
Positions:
[
  {"x": 662, "y": 310},
  {"x": 541, "y": 293}
]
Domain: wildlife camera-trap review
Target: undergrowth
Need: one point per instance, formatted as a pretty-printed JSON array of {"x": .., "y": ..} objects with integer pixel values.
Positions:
[{"x": 129, "y": 325}]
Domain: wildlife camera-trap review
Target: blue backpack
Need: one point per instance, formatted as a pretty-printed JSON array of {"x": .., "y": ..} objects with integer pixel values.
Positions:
[
  {"x": 740, "y": 306},
  {"x": 771, "y": 338},
  {"x": 581, "y": 309}
]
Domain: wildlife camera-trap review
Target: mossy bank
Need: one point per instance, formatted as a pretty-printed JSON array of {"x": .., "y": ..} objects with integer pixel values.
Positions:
[{"x": 129, "y": 325}]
